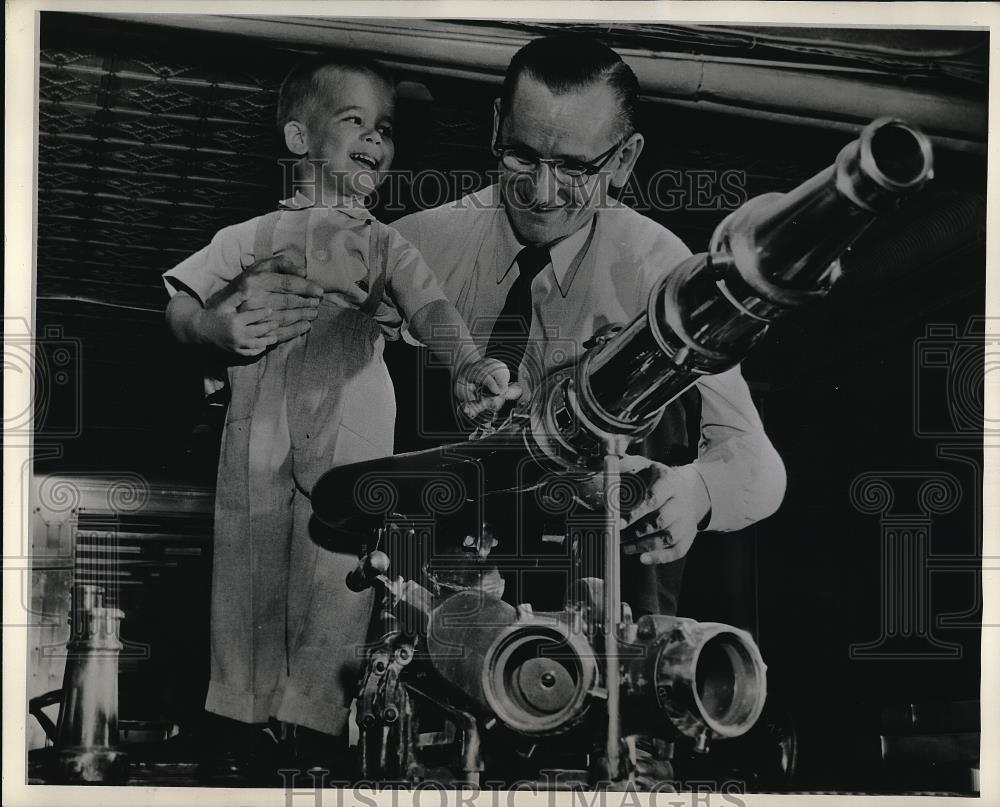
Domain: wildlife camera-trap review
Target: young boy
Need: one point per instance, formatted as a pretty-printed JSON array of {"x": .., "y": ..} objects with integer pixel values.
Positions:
[{"x": 285, "y": 629}]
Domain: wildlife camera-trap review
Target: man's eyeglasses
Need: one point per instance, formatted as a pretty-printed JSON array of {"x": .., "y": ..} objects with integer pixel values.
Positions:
[{"x": 566, "y": 170}]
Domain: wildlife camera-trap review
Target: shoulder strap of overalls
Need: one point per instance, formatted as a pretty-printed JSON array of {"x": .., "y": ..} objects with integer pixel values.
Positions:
[
  {"x": 378, "y": 262},
  {"x": 293, "y": 229},
  {"x": 263, "y": 242},
  {"x": 263, "y": 247}
]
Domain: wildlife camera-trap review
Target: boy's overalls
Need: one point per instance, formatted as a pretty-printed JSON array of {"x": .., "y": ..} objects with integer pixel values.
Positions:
[{"x": 286, "y": 631}]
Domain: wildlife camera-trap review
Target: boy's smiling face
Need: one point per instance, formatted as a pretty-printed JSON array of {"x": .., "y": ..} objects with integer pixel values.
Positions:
[{"x": 348, "y": 133}]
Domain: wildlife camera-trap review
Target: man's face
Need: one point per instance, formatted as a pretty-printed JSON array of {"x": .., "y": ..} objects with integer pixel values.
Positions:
[
  {"x": 579, "y": 125},
  {"x": 350, "y": 132}
]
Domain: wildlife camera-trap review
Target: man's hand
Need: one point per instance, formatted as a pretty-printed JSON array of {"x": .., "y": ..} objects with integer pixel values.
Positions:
[
  {"x": 662, "y": 525},
  {"x": 277, "y": 285},
  {"x": 269, "y": 302},
  {"x": 247, "y": 333},
  {"x": 484, "y": 386}
]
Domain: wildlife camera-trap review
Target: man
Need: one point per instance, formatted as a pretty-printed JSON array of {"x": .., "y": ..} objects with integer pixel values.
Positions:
[{"x": 550, "y": 246}]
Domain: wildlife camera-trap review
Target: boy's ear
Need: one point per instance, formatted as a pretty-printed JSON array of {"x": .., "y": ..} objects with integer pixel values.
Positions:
[{"x": 296, "y": 137}]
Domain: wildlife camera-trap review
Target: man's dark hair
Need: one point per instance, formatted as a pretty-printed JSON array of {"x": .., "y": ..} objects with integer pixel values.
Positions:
[
  {"x": 305, "y": 81},
  {"x": 568, "y": 62}
]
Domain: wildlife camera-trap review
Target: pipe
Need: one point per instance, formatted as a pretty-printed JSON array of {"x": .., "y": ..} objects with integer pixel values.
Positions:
[
  {"x": 807, "y": 93},
  {"x": 614, "y": 449}
]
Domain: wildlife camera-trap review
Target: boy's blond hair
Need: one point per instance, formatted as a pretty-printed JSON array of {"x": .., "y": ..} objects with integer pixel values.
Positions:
[{"x": 302, "y": 85}]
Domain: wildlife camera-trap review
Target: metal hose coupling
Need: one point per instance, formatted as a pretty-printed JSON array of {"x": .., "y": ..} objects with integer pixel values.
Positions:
[
  {"x": 539, "y": 676},
  {"x": 708, "y": 678}
]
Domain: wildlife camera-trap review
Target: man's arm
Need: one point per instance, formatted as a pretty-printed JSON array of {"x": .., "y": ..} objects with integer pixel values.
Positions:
[
  {"x": 744, "y": 475},
  {"x": 270, "y": 302},
  {"x": 737, "y": 479}
]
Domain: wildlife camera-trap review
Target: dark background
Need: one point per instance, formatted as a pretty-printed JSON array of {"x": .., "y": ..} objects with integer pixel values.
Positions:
[{"x": 151, "y": 139}]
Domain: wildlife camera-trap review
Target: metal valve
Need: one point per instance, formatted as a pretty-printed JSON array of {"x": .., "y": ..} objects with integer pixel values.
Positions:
[{"x": 371, "y": 567}]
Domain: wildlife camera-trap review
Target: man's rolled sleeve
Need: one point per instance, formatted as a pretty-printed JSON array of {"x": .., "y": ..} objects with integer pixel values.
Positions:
[
  {"x": 743, "y": 473},
  {"x": 213, "y": 266}
]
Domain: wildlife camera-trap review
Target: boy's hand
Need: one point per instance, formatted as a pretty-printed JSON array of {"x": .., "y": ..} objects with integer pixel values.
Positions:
[
  {"x": 270, "y": 302},
  {"x": 483, "y": 386}
]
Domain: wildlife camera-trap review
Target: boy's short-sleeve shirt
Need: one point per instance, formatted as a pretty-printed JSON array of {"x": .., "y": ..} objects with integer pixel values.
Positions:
[{"x": 335, "y": 255}]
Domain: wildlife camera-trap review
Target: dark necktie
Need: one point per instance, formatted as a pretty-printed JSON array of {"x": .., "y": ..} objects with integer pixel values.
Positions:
[{"x": 510, "y": 332}]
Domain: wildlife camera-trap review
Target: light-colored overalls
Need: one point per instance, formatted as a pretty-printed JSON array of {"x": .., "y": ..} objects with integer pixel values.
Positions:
[{"x": 286, "y": 631}]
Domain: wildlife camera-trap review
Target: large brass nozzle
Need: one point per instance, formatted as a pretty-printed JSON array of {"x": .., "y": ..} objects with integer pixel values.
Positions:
[
  {"x": 784, "y": 247},
  {"x": 775, "y": 253}
]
